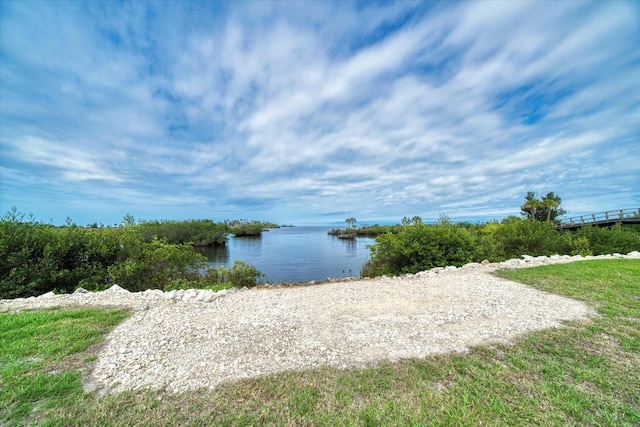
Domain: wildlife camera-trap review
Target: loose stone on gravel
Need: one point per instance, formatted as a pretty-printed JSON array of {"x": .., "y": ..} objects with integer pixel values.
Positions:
[{"x": 188, "y": 339}]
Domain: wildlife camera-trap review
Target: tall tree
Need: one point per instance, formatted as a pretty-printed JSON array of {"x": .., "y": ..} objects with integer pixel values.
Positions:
[
  {"x": 551, "y": 203},
  {"x": 350, "y": 222},
  {"x": 545, "y": 209},
  {"x": 530, "y": 206}
]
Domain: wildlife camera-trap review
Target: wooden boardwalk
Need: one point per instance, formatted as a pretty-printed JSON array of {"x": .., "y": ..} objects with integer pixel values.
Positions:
[{"x": 602, "y": 219}]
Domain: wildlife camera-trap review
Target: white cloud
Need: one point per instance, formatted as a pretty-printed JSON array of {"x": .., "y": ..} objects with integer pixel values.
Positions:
[{"x": 386, "y": 109}]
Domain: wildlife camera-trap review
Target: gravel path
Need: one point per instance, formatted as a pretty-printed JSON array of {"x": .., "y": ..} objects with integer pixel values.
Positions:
[{"x": 179, "y": 341}]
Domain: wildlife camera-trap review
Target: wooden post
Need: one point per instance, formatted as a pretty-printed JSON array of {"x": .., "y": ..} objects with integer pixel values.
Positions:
[
  {"x": 594, "y": 217},
  {"x": 621, "y": 215},
  {"x": 606, "y": 216}
]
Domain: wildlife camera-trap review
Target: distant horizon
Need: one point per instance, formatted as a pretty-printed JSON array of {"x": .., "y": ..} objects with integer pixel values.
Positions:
[
  {"x": 313, "y": 112},
  {"x": 334, "y": 223}
]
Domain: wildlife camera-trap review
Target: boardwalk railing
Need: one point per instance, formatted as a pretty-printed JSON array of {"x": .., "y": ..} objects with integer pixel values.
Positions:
[{"x": 622, "y": 216}]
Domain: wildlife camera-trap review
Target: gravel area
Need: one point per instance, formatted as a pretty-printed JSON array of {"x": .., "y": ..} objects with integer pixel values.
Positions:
[{"x": 191, "y": 339}]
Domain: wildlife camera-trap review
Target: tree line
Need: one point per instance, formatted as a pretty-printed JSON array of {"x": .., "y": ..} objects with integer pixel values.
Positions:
[
  {"x": 414, "y": 246},
  {"x": 36, "y": 258}
]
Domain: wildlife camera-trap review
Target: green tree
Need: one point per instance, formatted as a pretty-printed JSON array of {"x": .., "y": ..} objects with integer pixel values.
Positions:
[
  {"x": 420, "y": 247},
  {"x": 350, "y": 222},
  {"x": 551, "y": 203},
  {"x": 545, "y": 209},
  {"x": 128, "y": 220}
]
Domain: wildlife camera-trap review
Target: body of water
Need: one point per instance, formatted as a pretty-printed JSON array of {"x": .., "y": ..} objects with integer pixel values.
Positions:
[{"x": 295, "y": 254}]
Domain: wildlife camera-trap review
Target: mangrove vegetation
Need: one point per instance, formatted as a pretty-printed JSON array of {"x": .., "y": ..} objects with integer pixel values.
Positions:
[{"x": 36, "y": 258}]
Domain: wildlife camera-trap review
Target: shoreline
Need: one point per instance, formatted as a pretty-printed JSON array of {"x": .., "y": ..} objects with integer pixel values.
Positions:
[{"x": 207, "y": 296}]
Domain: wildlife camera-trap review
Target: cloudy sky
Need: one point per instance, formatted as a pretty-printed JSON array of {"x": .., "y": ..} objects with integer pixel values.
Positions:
[{"x": 312, "y": 112}]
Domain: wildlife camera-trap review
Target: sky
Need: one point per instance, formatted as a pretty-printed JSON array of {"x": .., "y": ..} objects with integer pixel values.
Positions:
[{"x": 315, "y": 111}]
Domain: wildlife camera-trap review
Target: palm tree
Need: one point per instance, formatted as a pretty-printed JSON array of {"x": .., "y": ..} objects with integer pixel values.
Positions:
[
  {"x": 532, "y": 204},
  {"x": 350, "y": 222},
  {"x": 551, "y": 203}
]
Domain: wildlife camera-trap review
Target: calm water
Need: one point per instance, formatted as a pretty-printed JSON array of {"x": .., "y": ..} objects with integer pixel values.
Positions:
[{"x": 295, "y": 254}]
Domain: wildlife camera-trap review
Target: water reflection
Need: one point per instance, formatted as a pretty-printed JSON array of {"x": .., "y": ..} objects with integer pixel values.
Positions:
[
  {"x": 251, "y": 246},
  {"x": 215, "y": 255},
  {"x": 297, "y": 254},
  {"x": 350, "y": 245}
]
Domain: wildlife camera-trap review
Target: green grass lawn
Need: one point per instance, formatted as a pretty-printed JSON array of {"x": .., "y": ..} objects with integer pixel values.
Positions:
[{"x": 586, "y": 373}]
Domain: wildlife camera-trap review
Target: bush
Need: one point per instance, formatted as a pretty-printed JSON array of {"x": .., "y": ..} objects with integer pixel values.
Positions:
[
  {"x": 197, "y": 232},
  {"x": 419, "y": 247},
  {"x": 251, "y": 229},
  {"x": 154, "y": 265},
  {"x": 36, "y": 258},
  {"x": 239, "y": 275},
  {"x": 516, "y": 237},
  {"x": 581, "y": 246},
  {"x": 604, "y": 240}
]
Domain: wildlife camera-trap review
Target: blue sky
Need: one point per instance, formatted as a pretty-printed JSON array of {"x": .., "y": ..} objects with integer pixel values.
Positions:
[{"x": 312, "y": 112}]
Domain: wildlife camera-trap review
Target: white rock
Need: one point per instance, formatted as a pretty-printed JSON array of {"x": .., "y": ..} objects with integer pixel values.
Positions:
[
  {"x": 116, "y": 289},
  {"x": 189, "y": 294},
  {"x": 205, "y": 295},
  {"x": 152, "y": 293},
  {"x": 472, "y": 265}
]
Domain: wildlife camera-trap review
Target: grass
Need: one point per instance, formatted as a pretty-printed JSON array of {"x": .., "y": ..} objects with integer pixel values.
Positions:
[
  {"x": 587, "y": 373},
  {"x": 42, "y": 359}
]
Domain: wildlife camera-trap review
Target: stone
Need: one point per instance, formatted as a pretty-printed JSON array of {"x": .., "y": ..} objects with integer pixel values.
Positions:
[
  {"x": 189, "y": 294},
  {"x": 117, "y": 289},
  {"x": 471, "y": 265},
  {"x": 153, "y": 293},
  {"x": 205, "y": 296},
  {"x": 485, "y": 262},
  {"x": 80, "y": 291}
]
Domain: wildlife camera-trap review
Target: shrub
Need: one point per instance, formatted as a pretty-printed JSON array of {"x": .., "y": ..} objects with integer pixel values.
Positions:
[
  {"x": 604, "y": 240},
  {"x": 581, "y": 246},
  {"x": 420, "y": 247},
  {"x": 516, "y": 237},
  {"x": 36, "y": 258},
  {"x": 154, "y": 265},
  {"x": 197, "y": 232},
  {"x": 251, "y": 229},
  {"x": 239, "y": 275}
]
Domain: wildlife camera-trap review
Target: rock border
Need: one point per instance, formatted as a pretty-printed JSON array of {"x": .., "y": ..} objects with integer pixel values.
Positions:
[{"x": 117, "y": 293}]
